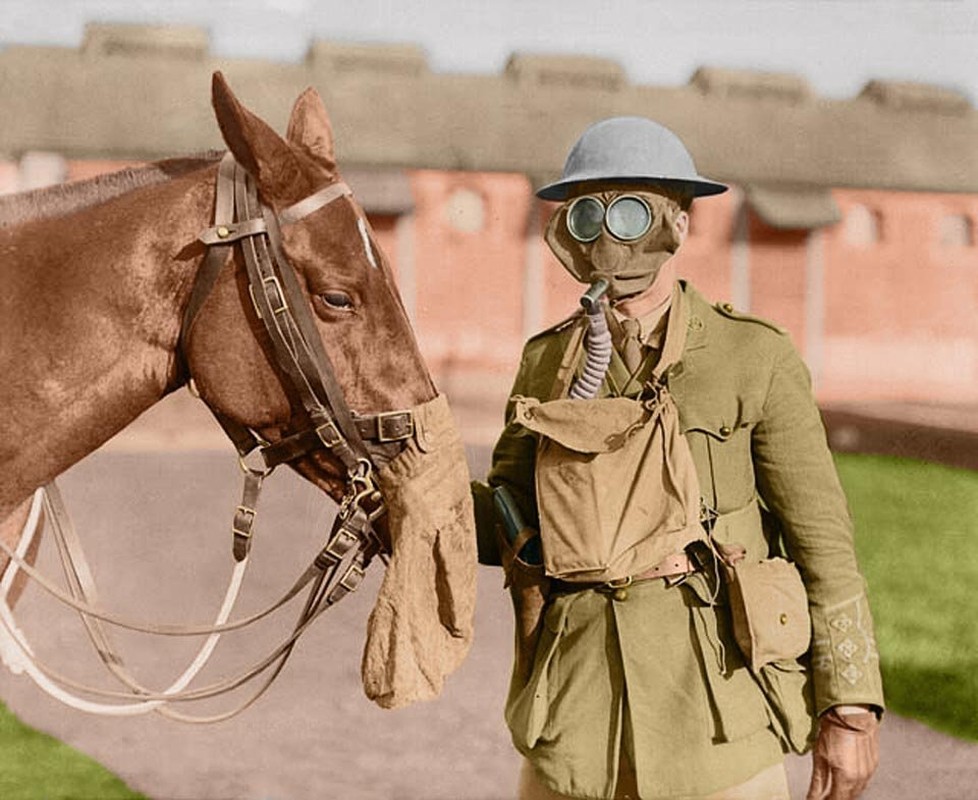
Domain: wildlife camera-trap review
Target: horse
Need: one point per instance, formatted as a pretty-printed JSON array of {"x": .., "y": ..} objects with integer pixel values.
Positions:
[{"x": 284, "y": 319}]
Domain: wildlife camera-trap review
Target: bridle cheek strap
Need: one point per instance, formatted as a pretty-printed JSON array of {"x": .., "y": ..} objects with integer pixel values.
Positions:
[{"x": 241, "y": 219}]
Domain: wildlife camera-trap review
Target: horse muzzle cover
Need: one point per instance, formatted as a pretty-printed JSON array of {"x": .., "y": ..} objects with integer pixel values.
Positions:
[{"x": 420, "y": 629}]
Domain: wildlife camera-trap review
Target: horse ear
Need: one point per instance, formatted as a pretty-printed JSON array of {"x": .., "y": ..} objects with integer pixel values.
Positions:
[
  {"x": 309, "y": 127},
  {"x": 258, "y": 148}
]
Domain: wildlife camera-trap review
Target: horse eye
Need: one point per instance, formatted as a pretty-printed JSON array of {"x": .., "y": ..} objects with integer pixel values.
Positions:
[{"x": 338, "y": 300}]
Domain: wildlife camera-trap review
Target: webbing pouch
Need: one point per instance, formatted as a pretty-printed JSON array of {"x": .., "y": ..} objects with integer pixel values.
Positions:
[{"x": 769, "y": 608}]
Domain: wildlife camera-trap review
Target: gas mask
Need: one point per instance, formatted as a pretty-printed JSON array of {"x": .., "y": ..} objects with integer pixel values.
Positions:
[{"x": 622, "y": 236}]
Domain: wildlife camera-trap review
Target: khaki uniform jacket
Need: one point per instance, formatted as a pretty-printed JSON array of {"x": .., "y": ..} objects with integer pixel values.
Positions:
[{"x": 660, "y": 674}]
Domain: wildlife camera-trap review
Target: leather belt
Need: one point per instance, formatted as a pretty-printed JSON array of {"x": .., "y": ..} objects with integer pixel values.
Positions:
[{"x": 670, "y": 567}]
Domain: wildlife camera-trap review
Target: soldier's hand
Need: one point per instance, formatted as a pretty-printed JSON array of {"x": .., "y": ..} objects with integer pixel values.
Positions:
[{"x": 846, "y": 755}]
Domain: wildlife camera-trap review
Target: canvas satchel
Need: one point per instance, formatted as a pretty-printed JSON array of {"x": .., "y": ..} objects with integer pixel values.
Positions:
[{"x": 616, "y": 485}]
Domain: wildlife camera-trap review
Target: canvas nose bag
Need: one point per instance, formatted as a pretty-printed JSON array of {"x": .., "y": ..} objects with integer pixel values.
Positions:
[{"x": 616, "y": 486}]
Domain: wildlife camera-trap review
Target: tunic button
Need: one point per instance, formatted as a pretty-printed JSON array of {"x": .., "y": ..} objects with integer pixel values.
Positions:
[
  {"x": 728, "y": 307},
  {"x": 725, "y": 430},
  {"x": 620, "y": 595},
  {"x": 783, "y": 619}
]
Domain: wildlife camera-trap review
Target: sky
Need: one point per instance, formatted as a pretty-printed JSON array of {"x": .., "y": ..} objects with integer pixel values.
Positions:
[{"x": 838, "y": 45}]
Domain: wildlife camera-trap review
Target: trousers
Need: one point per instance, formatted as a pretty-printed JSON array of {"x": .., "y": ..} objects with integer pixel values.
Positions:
[{"x": 768, "y": 784}]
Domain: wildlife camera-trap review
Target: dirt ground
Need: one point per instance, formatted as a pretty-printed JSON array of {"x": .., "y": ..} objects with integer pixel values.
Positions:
[{"x": 156, "y": 527}]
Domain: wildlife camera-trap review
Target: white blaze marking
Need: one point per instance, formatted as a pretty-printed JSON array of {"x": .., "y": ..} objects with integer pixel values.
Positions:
[{"x": 362, "y": 227}]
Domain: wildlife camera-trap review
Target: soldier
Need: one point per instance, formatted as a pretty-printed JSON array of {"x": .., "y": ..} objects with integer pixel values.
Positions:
[{"x": 670, "y": 522}]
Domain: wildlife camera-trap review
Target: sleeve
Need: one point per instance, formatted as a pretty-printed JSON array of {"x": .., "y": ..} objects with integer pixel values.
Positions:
[
  {"x": 513, "y": 462},
  {"x": 797, "y": 479}
]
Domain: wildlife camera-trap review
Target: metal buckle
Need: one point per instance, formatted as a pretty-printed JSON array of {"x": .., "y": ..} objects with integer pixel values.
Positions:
[
  {"x": 618, "y": 588},
  {"x": 394, "y": 417},
  {"x": 278, "y": 296},
  {"x": 247, "y": 518},
  {"x": 328, "y": 434},
  {"x": 352, "y": 577},
  {"x": 341, "y": 542}
]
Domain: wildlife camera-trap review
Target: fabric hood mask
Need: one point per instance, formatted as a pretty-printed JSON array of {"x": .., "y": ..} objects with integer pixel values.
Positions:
[
  {"x": 630, "y": 267},
  {"x": 421, "y": 625}
]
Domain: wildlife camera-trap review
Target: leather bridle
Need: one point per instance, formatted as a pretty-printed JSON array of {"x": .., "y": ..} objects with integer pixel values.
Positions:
[{"x": 241, "y": 219}]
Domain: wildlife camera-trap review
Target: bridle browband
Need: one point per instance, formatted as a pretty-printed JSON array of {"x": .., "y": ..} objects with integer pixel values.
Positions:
[{"x": 240, "y": 218}]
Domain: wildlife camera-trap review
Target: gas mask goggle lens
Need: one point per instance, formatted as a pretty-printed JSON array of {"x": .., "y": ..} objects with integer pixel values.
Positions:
[{"x": 627, "y": 218}]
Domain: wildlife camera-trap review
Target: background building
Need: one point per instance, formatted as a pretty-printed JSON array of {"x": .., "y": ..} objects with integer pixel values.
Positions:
[{"x": 851, "y": 222}]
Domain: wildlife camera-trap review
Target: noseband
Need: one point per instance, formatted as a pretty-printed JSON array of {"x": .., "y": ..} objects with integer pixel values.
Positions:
[{"x": 241, "y": 219}]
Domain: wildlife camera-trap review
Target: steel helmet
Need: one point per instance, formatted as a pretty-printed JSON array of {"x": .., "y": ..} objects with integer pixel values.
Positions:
[{"x": 630, "y": 150}]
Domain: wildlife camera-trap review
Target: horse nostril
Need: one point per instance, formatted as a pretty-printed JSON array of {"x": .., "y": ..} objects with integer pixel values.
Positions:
[{"x": 338, "y": 300}]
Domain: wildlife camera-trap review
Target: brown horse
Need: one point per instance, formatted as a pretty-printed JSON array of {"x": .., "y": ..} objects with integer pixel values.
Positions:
[{"x": 97, "y": 278}]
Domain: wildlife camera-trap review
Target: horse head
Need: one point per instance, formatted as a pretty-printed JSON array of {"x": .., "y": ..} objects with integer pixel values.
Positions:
[
  {"x": 323, "y": 304},
  {"x": 345, "y": 282}
]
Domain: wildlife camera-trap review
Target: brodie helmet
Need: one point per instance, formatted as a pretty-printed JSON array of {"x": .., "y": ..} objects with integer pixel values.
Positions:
[{"x": 631, "y": 150}]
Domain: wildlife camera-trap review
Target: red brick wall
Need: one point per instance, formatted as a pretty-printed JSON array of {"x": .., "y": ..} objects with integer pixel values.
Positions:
[
  {"x": 894, "y": 318},
  {"x": 900, "y": 318}
]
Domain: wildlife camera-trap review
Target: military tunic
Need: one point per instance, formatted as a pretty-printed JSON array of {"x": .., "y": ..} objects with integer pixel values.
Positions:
[{"x": 658, "y": 672}]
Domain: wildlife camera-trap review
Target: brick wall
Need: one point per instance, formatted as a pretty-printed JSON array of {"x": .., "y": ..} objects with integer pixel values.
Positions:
[{"x": 881, "y": 303}]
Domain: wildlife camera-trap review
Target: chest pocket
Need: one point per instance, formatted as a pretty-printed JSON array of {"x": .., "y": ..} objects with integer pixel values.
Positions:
[{"x": 719, "y": 440}]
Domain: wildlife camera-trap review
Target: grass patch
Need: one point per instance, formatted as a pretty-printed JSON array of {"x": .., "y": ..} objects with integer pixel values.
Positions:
[
  {"x": 34, "y": 765},
  {"x": 917, "y": 542}
]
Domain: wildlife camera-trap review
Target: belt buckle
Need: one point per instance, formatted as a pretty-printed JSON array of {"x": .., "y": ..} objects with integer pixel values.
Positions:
[
  {"x": 383, "y": 436},
  {"x": 618, "y": 588}
]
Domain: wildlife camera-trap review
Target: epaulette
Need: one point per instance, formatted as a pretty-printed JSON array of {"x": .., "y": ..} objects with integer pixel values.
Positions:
[
  {"x": 560, "y": 327},
  {"x": 730, "y": 312}
]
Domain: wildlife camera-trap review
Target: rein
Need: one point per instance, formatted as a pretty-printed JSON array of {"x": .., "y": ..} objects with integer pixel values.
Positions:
[{"x": 240, "y": 219}]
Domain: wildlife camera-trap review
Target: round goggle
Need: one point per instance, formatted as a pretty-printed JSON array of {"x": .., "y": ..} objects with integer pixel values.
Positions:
[{"x": 627, "y": 217}]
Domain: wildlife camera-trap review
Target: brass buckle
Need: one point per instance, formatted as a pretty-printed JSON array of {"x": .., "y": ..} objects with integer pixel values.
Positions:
[
  {"x": 340, "y": 544},
  {"x": 618, "y": 588},
  {"x": 352, "y": 577},
  {"x": 277, "y": 300},
  {"x": 393, "y": 415},
  {"x": 328, "y": 434}
]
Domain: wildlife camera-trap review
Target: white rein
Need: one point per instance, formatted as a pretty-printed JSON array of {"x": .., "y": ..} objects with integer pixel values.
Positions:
[{"x": 18, "y": 655}]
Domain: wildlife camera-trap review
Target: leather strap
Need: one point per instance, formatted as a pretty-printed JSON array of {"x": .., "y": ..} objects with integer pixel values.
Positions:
[
  {"x": 336, "y": 571},
  {"x": 670, "y": 567},
  {"x": 314, "y": 202},
  {"x": 392, "y": 426}
]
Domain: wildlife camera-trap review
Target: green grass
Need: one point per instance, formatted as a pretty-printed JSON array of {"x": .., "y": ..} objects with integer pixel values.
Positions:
[
  {"x": 35, "y": 766},
  {"x": 917, "y": 541}
]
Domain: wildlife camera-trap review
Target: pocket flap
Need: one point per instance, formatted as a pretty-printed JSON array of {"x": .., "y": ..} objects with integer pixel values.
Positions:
[{"x": 584, "y": 426}]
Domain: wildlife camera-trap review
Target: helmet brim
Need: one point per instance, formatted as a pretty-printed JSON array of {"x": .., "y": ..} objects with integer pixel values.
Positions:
[{"x": 692, "y": 187}]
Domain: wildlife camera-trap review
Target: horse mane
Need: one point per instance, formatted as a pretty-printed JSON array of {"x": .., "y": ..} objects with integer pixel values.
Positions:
[{"x": 64, "y": 198}]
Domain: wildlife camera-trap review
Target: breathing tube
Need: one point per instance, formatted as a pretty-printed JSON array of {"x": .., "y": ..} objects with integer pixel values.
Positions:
[{"x": 597, "y": 344}]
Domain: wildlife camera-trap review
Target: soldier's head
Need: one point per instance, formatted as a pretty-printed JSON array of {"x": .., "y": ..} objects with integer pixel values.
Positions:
[{"x": 627, "y": 187}]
